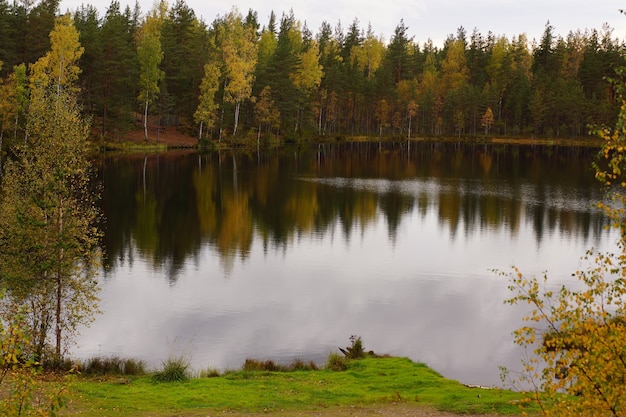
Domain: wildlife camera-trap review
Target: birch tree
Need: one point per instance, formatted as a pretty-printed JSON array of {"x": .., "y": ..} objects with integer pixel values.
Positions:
[
  {"x": 205, "y": 113},
  {"x": 48, "y": 244},
  {"x": 486, "y": 120},
  {"x": 238, "y": 45},
  {"x": 150, "y": 55}
]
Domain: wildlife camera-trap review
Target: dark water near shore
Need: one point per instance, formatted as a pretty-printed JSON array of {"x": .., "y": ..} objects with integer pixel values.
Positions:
[{"x": 284, "y": 255}]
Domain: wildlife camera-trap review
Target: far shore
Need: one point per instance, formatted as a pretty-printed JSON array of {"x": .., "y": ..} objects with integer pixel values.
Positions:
[{"x": 171, "y": 139}]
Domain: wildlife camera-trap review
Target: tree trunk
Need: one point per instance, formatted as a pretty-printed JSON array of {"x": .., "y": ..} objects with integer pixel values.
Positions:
[
  {"x": 236, "y": 118},
  {"x": 17, "y": 119},
  {"x": 59, "y": 289},
  {"x": 221, "y": 125},
  {"x": 1, "y": 135},
  {"x": 145, "y": 121}
]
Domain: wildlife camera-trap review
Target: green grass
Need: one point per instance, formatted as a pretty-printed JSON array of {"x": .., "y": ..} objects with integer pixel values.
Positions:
[
  {"x": 133, "y": 147},
  {"x": 365, "y": 382}
]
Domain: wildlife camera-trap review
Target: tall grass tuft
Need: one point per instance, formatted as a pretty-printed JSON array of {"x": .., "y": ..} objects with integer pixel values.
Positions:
[
  {"x": 134, "y": 367},
  {"x": 300, "y": 365},
  {"x": 113, "y": 366},
  {"x": 209, "y": 373},
  {"x": 255, "y": 365},
  {"x": 174, "y": 370}
]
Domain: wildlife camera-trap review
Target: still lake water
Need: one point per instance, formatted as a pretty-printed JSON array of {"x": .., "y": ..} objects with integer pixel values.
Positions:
[{"x": 284, "y": 255}]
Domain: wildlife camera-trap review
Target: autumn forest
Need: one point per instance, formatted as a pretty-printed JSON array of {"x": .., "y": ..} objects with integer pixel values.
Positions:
[{"x": 239, "y": 76}]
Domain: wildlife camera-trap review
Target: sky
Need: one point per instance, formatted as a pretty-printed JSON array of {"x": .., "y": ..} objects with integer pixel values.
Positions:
[{"x": 425, "y": 19}]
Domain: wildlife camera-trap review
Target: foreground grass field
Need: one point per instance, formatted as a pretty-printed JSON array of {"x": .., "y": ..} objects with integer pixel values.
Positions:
[{"x": 394, "y": 385}]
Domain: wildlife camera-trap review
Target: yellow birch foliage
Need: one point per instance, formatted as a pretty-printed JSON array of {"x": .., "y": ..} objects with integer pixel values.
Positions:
[
  {"x": 487, "y": 119},
  {"x": 59, "y": 67},
  {"x": 207, "y": 107},
  {"x": 308, "y": 75}
]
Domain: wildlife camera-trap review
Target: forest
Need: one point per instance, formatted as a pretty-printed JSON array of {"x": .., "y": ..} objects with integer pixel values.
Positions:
[{"x": 238, "y": 77}]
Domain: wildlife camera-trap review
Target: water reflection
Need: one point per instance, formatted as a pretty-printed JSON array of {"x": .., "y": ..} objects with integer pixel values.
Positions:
[
  {"x": 322, "y": 243},
  {"x": 170, "y": 205}
]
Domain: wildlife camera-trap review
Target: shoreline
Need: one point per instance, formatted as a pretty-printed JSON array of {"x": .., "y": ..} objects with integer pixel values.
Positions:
[{"x": 172, "y": 141}]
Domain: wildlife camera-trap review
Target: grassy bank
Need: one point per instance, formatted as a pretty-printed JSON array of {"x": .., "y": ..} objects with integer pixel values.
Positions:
[{"x": 365, "y": 383}]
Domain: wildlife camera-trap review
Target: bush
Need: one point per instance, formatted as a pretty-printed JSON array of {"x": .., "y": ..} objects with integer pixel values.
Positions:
[
  {"x": 209, "y": 373},
  {"x": 174, "y": 370},
  {"x": 355, "y": 350},
  {"x": 51, "y": 363},
  {"x": 336, "y": 362}
]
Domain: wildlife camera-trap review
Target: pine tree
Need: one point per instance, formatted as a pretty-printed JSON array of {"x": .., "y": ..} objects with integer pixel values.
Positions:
[
  {"x": 118, "y": 71},
  {"x": 184, "y": 43}
]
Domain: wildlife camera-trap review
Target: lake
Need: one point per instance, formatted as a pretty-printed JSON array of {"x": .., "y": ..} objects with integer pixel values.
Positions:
[{"x": 281, "y": 255}]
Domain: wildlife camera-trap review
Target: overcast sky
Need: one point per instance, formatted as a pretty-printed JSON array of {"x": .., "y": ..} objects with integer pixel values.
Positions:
[{"x": 434, "y": 19}]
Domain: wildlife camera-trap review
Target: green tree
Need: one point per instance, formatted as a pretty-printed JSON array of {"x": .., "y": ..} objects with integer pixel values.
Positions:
[
  {"x": 34, "y": 34},
  {"x": 87, "y": 22},
  {"x": 265, "y": 51},
  {"x": 396, "y": 59},
  {"x": 13, "y": 103},
  {"x": 516, "y": 102},
  {"x": 577, "y": 337},
  {"x": 150, "y": 55},
  {"x": 184, "y": 42},
  {"x": 48, "y": 250},
  {"x": 285, "y": 62},
  {"x": 117, "y": 72}
]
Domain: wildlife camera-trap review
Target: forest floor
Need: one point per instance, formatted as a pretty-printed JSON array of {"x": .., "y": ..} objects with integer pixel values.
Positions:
[{"x": 170, "y": 136}]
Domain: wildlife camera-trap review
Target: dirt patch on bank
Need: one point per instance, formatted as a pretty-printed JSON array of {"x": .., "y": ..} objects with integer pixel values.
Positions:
[
  {"x": 169, "y": 135},
  {"x": 381, "y": 410}
]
